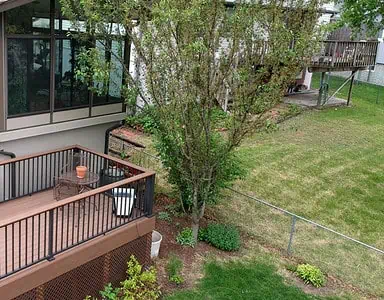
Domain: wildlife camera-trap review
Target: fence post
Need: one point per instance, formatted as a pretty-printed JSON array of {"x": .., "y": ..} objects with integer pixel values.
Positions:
[
  {"x": 50, "y": 235},
  {"x": 149, "y": 194},
  {"x": 289, "y": 250}
]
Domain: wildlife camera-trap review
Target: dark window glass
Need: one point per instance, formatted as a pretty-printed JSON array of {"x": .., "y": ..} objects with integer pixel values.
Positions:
[
  {"x": 115, "y": 80},
  {"x": 28, "y": 75},
  {"x": 32, "y": 18},
  {"x": 68, "y": 91}
]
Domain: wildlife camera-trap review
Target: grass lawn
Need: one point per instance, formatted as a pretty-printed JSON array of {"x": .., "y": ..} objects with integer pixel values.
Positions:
[
  {"x": 328, "y": 166},
  {"x": 325, "y": 165},
  {"x": 235, "y": 280}
]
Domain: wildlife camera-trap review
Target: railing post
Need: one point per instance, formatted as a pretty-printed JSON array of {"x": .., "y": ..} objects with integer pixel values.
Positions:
[
  {"x": 13, "y": 178},
  {"x": 149, "y": 195},
  {"x": 293, "y": 224},
  {"x": 334, "y": 55},
  {"x": 50, "y": 235},
  {"x": 355, "y": 49}
]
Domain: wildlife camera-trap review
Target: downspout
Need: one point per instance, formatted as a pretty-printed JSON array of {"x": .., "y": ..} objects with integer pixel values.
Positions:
[
  {"x": 107, "y": 133},
  {"x": 6, "y": 153},
  {"x": 13, "y": 172}
]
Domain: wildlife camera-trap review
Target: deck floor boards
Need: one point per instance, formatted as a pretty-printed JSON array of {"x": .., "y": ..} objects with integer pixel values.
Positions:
[{"x": 26, "y": 242}]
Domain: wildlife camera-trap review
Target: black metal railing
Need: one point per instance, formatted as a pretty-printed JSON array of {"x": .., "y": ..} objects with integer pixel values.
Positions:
[
  {"x": 34, "y": 174},
  {"x": 32, "y": 237}
]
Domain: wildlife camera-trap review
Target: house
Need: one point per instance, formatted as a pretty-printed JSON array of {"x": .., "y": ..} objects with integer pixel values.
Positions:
[
  {"x": 41, "y": 105},
  {"x": 70, "y": 248}
]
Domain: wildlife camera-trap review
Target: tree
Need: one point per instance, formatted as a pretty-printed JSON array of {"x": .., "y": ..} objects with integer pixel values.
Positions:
[
  {"x": 363, "y": 13},
  {"x": 193, "y": 53}
]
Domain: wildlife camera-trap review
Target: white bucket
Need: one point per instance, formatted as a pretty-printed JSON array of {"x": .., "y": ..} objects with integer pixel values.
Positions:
[{"x": 156, "y": 241}]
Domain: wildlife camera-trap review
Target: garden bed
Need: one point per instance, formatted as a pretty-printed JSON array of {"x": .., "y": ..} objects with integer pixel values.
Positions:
[{"x": 192, "y": 258}]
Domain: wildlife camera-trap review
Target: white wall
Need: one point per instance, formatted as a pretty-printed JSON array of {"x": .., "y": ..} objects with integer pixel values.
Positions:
[
  {"x": 92, "y": 137},
  {"x": 376, "y": 77}
]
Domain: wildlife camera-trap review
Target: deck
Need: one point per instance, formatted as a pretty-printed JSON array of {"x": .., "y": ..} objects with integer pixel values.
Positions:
[
  {"x": 35, "y": 227},
  {"x": 344, "y": 56},
  {"x": 26, "y": 242}
]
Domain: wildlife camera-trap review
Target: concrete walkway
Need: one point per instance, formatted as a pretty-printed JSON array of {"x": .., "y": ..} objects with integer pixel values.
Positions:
[{"x": 309, "y": 100}]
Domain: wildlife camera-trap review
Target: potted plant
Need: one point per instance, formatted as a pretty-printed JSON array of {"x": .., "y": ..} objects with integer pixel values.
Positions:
[{"x": 81, "y": 171}]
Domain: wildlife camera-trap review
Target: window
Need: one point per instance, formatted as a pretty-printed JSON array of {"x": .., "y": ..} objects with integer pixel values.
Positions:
[
  {"x": 32, "y": 18},
  {"x": 28, "y": 76},
  {"x": 115, "y": 80},
  {"x": 39, "y": 84},
  {"x": 68, "y": 91}
]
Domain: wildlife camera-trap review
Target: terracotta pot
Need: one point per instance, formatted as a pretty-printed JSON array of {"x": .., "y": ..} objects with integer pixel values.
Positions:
[{"x": 80, "y": 171}]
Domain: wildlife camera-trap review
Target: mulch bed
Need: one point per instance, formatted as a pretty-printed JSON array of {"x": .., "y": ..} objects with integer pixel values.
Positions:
[{"x": 193, "y": 258}]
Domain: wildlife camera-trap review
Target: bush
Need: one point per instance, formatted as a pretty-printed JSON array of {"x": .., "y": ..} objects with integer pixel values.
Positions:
[
  {"x": 222, "y": 236},
  {"x": 139, "y": 285},
  {"x": 164, "y": 216},
  {"x": 202, "y": 236},
  {"x": 311, "y": 275},
  {"x": 174, "y": 267},
  {"x": 145, "y": 120},
  {"x": 185, "y": 238}
]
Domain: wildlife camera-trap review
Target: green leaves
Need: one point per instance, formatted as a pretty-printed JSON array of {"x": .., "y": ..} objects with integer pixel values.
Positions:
[
  {"x": 368, "y": 13},
  {"x": 222, "y": 236},
  {"x": 311, "y": 275},
  {"x": 192, "y": 58},
  {"x": 185, "y": 238},
  {"x": 174, "y": 267}
]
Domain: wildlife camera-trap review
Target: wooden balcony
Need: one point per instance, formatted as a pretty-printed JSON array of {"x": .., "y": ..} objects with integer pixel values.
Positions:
[
  {"x": 332, "y": 55},
  {"x": 35, "y": 227},
  {"x": 344, "y": 56}
]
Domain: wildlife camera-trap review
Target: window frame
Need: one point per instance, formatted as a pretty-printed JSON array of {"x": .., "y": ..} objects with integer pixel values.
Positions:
[{"x": 53, "y": 36}]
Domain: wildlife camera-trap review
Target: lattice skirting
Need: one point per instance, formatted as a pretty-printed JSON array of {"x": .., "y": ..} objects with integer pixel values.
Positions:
[{"x": 90, "y": 278}]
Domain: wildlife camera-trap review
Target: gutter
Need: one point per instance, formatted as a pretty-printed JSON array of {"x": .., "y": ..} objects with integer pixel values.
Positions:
[
  {"x": 6, "y": 153},
  {"x": 13, "y": 172}
]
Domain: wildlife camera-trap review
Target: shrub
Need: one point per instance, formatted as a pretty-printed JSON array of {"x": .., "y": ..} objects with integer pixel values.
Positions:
[
  {"x": 164, "y": 216},
  {"x": 110, "y": 293},
  {"x": 185, "y": 237},
  {"x": 202, "y": 236},
  {"x": 139, "y": 285},
  {"x": 174, "y": 267},
  {"x": 144, "y": 120},
  {"x": 222, "y": 236},
  {"x": 311, "y": 275}
]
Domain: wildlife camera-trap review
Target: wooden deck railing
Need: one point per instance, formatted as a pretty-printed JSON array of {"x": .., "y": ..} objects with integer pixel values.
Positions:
[
  {"x": 332, "y": 54},
  {"x": 345, "y": 54},
  {"x": 40, "y": 234}
]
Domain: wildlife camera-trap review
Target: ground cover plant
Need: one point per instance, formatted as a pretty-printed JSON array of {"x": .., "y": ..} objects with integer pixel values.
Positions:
[
  {"x": 222, "y": 236},
  {"x": 311, "y": 275},
  {"x": 185, "y": 238}
]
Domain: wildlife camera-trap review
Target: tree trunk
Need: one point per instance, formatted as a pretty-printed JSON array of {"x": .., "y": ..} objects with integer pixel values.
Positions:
[
  {"x": 197, "y": 214},
  {"x": 195, "y": 228}
]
